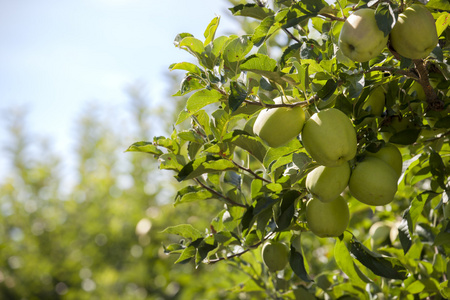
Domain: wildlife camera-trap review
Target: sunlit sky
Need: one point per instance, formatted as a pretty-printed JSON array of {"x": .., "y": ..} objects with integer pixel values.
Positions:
[{"x": 57, "y": 55}]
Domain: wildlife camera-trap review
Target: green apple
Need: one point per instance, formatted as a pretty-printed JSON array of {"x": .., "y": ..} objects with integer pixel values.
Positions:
[
  {"x": 329, "y": 137},
  {"x": 376, "y": 101},
  {"x": 414, "y": 35},
  {"x": 390, "y": 155},
  {"x": 275, "y": 255},
  {"x": 327, "y": 219},
  {"x": 373, "y": 182},
  {"x": 327, "y": 183},
  {"x": 277, "y": 126},
  {"x": 360, "y": 38}
]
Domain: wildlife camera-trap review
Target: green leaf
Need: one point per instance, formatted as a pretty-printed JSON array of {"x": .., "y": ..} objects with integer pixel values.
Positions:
[
  {"x": 442, "y": 23},
  {"x": 202, "y": 98},
  {"x": 238, "y": 94},
  {"x": 247, "y": 142},
  {"x": 191, "y": 194},
  {"x": 437, "y": 168},
  {"x": 187, "y": 254},
  {"x": 387, "y": 267},
  {"x": 193, "y": 46},
  {"x": 287, "y": 209},
  {"x": 264, "y": 30},
  {"x": 237, "y": 49},
  {"x": 346, "y": 264},
  {"x": 259, "y": 63},
  {"x": 385, "y": 17},
  {"x": 145, "y": 147},
  {"x": 170, "y": 161},
  {"x": 302, "y": 11},
  {"x": 403, "y": 233},
  {"x": 443, "y": 122},
  {"x": 186, "y": 231},
  {"x": 187, "y": 66},
  {"x": 211, "y": 30},
  {"x": 251, "y": 10},
  {"x": 405, "y": 137},
  {"x": 439, "y": 4},
  {"x": 327, "y": 90},
  {"x": 297, "y": 264},
  {"x": 202, "y": 165}
]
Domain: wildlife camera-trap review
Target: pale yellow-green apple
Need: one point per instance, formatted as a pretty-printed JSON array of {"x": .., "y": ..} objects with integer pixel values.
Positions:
[
  {"x": 277, "y": 126},
  {"x": 414, "y": 35},
  {"x": 376, "y": 101},
  {"x": 275, "y": 255},
  {"x": 327, "y": 219},
  {"x": 329, "y": 137},
  {"x": 327, "y": 183},
  {"x": 373, "y": 182},
  {"x": 360, "y": 38},
  {"x": 391, "y": 155}
]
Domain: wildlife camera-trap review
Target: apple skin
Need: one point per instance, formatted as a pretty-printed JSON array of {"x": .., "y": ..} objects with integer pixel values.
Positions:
[
  {"x": 376, "y": 101},
  {"x": 391, "y": 155},
  {"x": 329, "y": 137},
  {"x": 414, "y": 35},
  {"x": 373, "y": 182},
  {"x": 360, "y": 38},
  {"x": 328, "y": 219},
  {"x": 277, "y": 126},
  {"x": 275, "y": 255},
  {"x": 327, "y": 183}
]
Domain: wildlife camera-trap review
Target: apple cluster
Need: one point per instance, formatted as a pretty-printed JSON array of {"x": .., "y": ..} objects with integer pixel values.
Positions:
[
  {"x": 413, "y": 36},
  {"x": 329, "y": 137}
]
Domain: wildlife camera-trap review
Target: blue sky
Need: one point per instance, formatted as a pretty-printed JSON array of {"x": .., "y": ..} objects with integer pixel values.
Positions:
[{"x": 57, "y": 55}]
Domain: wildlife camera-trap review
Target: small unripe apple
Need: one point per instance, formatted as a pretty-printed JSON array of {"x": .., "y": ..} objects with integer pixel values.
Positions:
[
  {"x": 329, "y": 137},
  {"x": 376, "y": 101},
  {"x": 414, "y": 35},
  {"x": 327, "y": 219},
  {"x": 373, "y": 182},
  {"x": 275, "y": 255},
  {"x": 277, "y": 126},
  {"x": 360, "y": 38},
  {"x": 327, "y": 183},
  {"x": 390, "y": 155}
]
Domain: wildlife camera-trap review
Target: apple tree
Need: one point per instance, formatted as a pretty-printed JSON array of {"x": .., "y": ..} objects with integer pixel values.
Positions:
[{"x": 324, "y": 134}]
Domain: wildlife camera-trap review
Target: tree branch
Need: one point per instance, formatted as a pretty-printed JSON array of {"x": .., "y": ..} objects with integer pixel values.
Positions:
[
  {"x": 251, "y": 172},
  {"x": 432, "y": 99},
  {"x": 406, "y": 73},
  {"x": 227, "y": 199},
  {"x": 213, "y": 261}
]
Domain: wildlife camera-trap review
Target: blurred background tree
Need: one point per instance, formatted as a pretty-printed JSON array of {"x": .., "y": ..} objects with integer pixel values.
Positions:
[{"x": 98, "y": 234}]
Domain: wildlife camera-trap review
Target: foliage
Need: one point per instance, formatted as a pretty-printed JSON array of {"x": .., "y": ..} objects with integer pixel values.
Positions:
[
  {"x": 95, "y": 234},
  {"x": 293, "y": 51}
]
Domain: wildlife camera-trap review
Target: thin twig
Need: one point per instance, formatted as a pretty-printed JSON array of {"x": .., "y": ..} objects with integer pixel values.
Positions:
[
  {"x": 227, "y": 199},
  {"x": 292, "y": 36},
  {"x": 213, "y": 261},
  {"x": 406, "y": 73},
  {"x": 333, "y": 18},
  {"x": 251, "y": 172}
]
